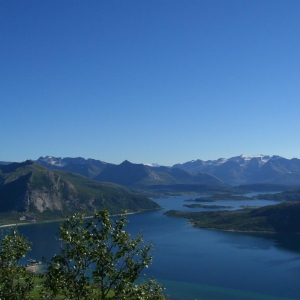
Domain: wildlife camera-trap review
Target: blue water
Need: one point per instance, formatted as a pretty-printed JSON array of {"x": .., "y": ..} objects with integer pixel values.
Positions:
[{"x": 205, "y": 264}]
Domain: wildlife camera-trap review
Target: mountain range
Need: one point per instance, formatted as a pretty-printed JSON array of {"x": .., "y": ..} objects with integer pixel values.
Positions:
[
  {"x": 238, "y": 170},
  {"x": 127, "y": 173},
  {"x": 248, "y": 169}
]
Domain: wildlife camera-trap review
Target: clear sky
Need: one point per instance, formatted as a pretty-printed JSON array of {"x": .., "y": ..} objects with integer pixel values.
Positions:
[{"x": 161, "y": 81}]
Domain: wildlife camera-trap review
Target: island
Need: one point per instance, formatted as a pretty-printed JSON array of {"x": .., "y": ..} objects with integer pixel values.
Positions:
[
  {"x": 220, "y": 196},
  {"x": 206, "y": 206}
]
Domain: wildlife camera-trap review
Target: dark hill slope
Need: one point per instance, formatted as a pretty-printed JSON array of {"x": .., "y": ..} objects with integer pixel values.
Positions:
[
  {"x": 30, "y": 188},
  {"x": 125, "y": 174},
  {"x": 291, "y": 195},
  {"x": 184, "y": 177},
  {"x": 139, "y": 175},
  {"x": 283, "y": 218}
]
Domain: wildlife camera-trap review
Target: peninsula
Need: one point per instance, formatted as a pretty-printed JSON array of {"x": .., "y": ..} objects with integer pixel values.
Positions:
[{"x": 281, "y": 218}]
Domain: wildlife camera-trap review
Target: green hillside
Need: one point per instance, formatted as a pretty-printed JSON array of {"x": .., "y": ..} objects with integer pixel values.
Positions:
[
  {"x": 291, "y": 195},
  {"x": 31, "y": 192},
  {"x": 283, "y": 218}
]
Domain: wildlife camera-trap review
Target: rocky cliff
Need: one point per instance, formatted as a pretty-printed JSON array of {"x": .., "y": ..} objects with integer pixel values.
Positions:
[{"x": 31, "y": 189}]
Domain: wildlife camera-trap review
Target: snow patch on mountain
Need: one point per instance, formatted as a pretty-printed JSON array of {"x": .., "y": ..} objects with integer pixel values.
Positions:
[
  {"x": 262, "y": 157},
  {"x": 154, "y": 165},
  {"x": 54, "y": 161},
  {"x": 242, "y": 160}
]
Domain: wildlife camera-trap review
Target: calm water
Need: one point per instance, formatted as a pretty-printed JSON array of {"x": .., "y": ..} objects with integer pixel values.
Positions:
[{"x": 205, "y": 264}]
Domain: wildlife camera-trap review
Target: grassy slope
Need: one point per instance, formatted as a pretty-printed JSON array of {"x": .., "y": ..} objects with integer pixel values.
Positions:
[{"x": 107, "y": 195}]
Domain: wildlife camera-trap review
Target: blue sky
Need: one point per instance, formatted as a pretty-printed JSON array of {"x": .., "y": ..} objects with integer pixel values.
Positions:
[{"x": 162, "y": 81}]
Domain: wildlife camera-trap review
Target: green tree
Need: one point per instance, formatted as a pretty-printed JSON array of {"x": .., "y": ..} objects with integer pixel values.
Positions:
[
  {"x": 99, "y": 260},
  {"x": 15, "y": 282}
]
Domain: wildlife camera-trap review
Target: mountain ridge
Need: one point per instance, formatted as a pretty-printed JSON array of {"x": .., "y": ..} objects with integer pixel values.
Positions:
[
  {"x": 127, "y": 173},
  {"x": 249, "y": 169},
  {"x": 238, "y": 170}
]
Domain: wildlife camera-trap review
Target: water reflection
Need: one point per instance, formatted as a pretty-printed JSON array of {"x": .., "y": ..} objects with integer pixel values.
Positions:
[
  {"x": 278, "y": 262},
  {"x": 247, "y": 241},
  {"x": 265, "y": 241}
]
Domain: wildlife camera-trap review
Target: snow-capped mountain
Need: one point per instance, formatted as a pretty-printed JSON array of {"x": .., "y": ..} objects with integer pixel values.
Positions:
[
  {"x": 242, "y": 160},
  {"x": 244, "y": 169}
]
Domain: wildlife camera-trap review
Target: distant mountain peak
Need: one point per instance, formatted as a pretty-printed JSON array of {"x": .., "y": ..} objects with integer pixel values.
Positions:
[{"x": 126, "y": 162}]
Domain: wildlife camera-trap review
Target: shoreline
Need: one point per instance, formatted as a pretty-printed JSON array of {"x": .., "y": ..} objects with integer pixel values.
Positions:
[
  {"x": 86, "y": 217},
  {"x": 15, "y": 224}
]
